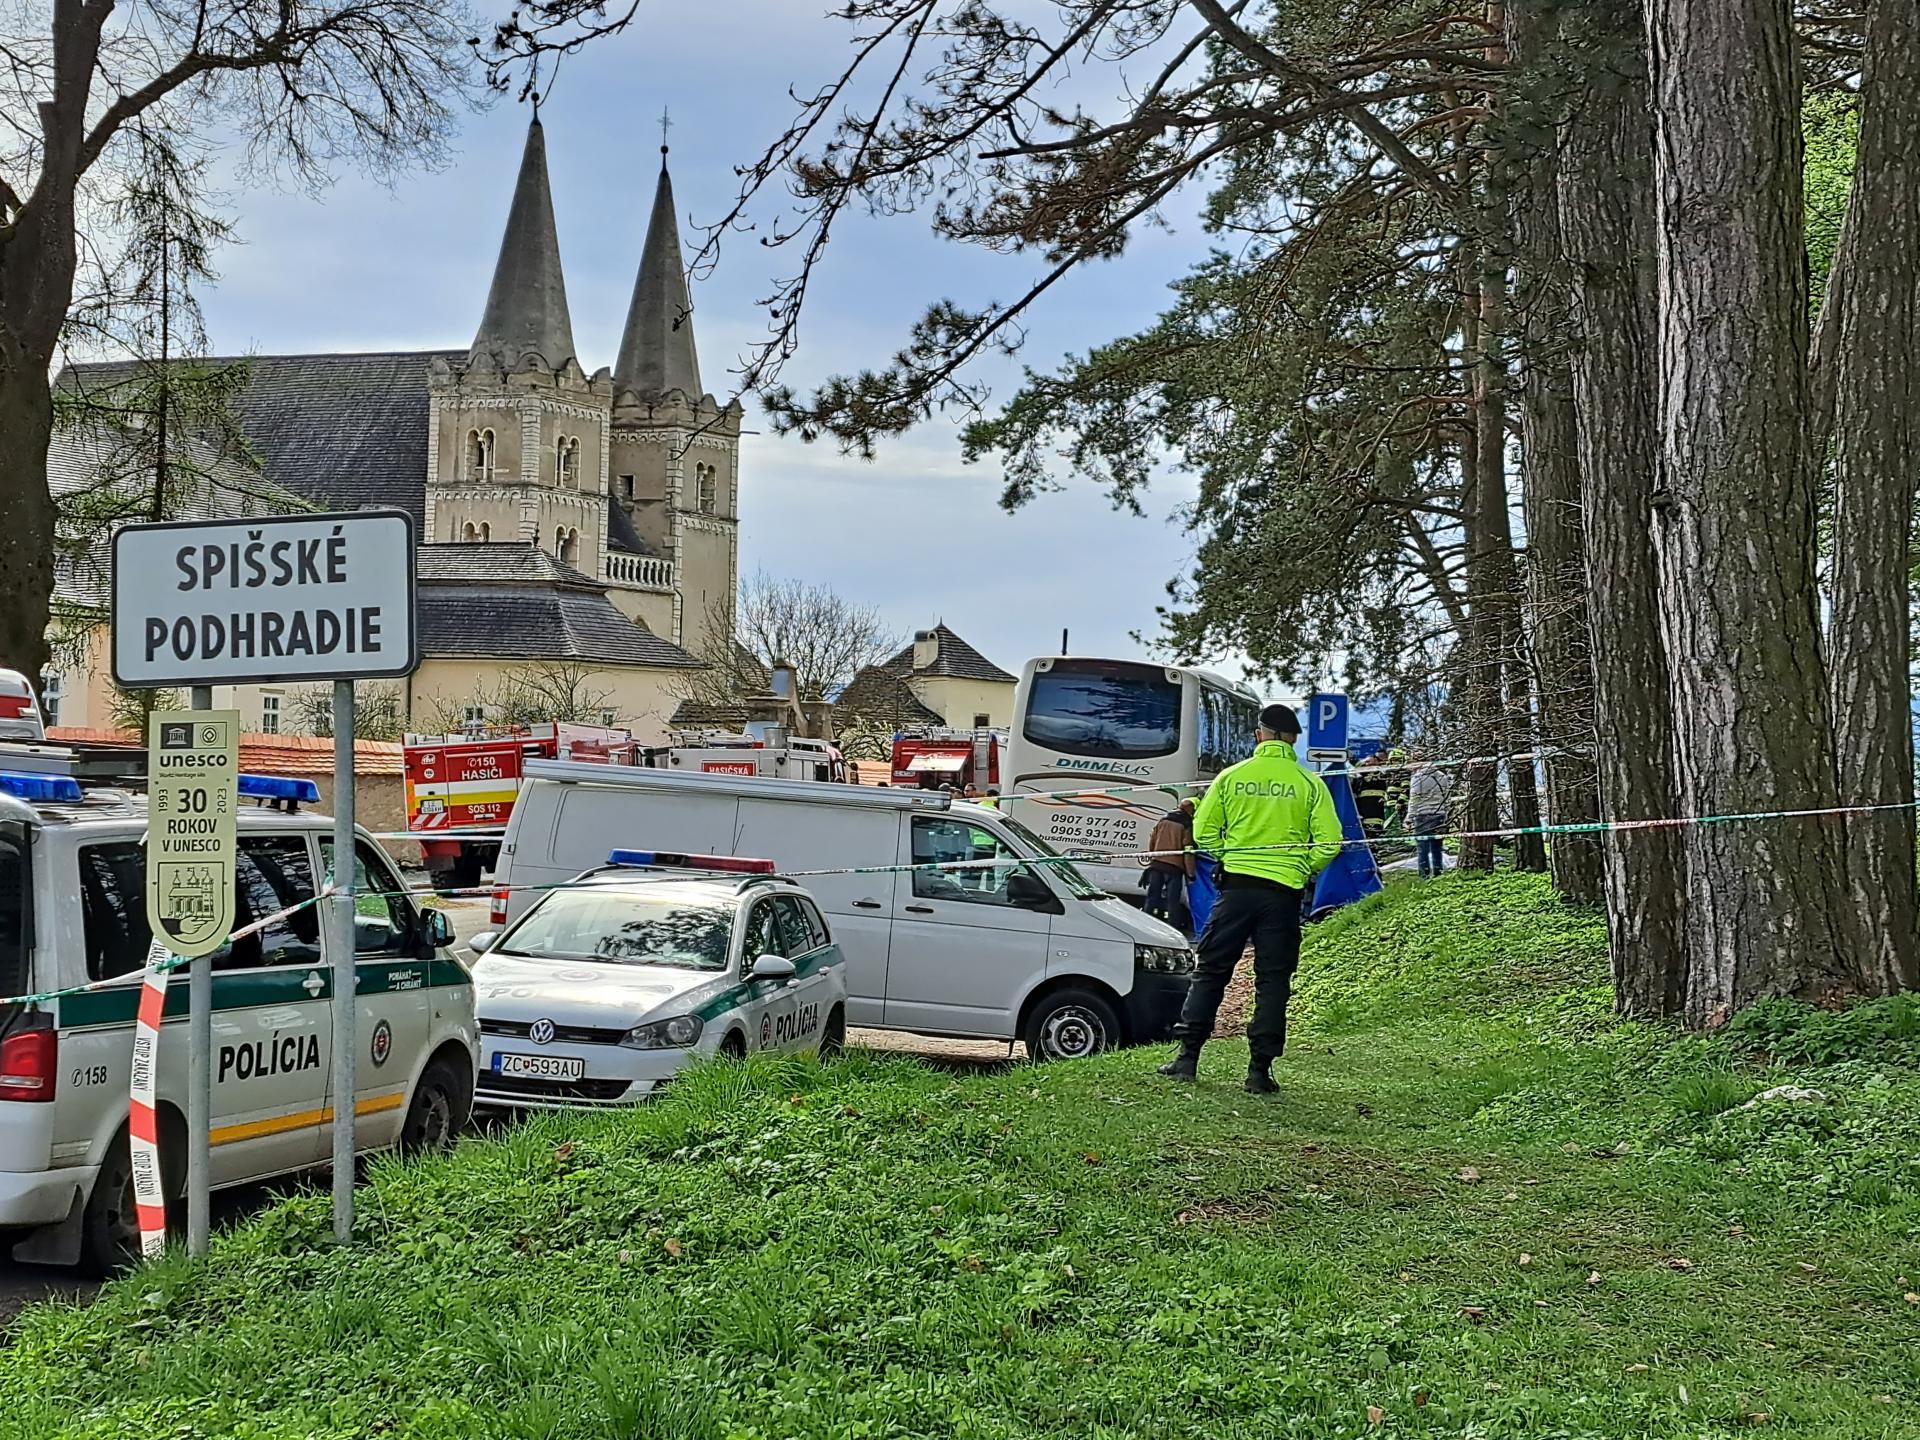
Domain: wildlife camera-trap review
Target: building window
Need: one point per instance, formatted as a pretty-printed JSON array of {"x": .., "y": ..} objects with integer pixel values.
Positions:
[
  {"x": 704, "y": 479},
  {"x": 269, "y": 714},
  {"x": 626, "y": 487},
  {"x": 609, "y": 718},
  {"x": 981, "y": 722},
  {"x": 479, "y": 534},
  {"x": 567, "y": 466},
  {"x": 480, "y": 455},
  {"x": 566, "y": 543},
  {"x": 50, "y": 696},
  {"x": 473, "y": 719}
]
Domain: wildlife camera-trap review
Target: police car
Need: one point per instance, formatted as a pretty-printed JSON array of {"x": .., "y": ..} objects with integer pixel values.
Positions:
[
  {"x": 608, "y": 986},
  {"x": 73, "y": 911}
]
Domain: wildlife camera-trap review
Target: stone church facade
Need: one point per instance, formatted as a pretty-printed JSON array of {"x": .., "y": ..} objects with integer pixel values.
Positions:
[{"x": 569, "y": 519}]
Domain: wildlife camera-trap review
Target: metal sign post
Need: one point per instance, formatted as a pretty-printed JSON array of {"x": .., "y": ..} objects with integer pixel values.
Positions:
[
  {"x": 251, "y": 601},
  {"x": 346, "y": 1000}
]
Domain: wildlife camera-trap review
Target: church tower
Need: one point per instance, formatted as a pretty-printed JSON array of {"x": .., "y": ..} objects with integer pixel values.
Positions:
[
  {"x": 518, "y": 434},
  {"x": 674, "y": 451}
]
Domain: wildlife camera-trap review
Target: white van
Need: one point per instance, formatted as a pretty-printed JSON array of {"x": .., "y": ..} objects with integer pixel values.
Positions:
[{"x": 1007, "y": 951}]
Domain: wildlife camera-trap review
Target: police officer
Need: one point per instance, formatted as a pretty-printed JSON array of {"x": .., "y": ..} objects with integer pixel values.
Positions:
[{"x": 1272, "y": 823}]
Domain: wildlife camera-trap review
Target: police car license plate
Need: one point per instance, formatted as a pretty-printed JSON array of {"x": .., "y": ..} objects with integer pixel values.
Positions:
[{"x": 540, "y": 1067}]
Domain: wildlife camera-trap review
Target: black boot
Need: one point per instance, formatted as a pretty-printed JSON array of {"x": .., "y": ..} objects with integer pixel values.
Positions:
[
  {"x": 1185, "y": 1065},
  {"x": 1260, "y": 1079}
]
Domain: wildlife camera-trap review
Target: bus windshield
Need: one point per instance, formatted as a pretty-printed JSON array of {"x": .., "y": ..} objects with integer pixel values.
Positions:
[
  {"x": 1077, "y": 884},
  {"x": 1106, "y": 710}
]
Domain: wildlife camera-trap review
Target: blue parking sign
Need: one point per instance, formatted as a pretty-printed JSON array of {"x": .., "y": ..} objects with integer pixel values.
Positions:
[{"x": 1326, "y": 722}]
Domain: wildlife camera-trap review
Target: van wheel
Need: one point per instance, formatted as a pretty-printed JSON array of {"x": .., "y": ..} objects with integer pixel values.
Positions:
[
  {"x": 833, "y": 1039},
  {"x": 442, "y": 1105},
  {"x": 1071, "y": 1024},
  {"x": 110, "y": 1225}
]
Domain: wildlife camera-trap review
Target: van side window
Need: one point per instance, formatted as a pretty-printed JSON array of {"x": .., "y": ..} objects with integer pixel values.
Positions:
[
  {"x": 382, "y": 919},
  {"x": 272, "y": 873},
  {"x": 937, "y": 839}
]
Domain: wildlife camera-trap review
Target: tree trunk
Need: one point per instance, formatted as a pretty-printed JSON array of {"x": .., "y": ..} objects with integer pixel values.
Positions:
[
  {"x": 1606, "y": 225},
  {"x": 1876, "y": 463},
  {"x": 1558, "y": 638},
  {"x": 1768, "y": 900},
  {"x": 37, "y": 259},
  {"x": 26, "y": 512}
]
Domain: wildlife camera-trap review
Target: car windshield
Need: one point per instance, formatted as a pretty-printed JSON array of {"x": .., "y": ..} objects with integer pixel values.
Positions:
[
  {"x": 1077, "y": 884},
  {"x": 623, "y": 927}
]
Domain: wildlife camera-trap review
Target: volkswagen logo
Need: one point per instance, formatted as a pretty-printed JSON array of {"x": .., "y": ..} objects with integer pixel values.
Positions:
[{"x": 540, "y": 1032}]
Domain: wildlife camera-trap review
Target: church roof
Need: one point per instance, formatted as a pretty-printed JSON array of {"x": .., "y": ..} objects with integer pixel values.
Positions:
[
  {"x": 656, "y": 349},
  {"x": 956, "y": 660},
  {"x": 527, "y": 304},
  {"x": 510, "y": 600},
  {"x": 343, "y": 432},
  {"x": 504, "y": 561}
]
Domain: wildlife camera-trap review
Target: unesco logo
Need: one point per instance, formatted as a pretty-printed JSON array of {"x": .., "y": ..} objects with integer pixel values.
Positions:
[{"x": 540, "y": 1032}]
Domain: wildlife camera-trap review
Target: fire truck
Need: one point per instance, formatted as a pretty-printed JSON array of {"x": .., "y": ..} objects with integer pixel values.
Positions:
[
  {"x": 925, "y": 757},
  {"x": 461, "y": 788}
]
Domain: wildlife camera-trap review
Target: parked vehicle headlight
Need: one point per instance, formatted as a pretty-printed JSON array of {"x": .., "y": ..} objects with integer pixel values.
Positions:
[
  {"x": 1163, "y": 959},
  {"x": 673, "y": 1034}
]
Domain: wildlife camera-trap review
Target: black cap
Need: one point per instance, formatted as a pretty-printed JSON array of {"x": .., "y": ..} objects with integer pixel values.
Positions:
[{"x": 1280, "y": 720}]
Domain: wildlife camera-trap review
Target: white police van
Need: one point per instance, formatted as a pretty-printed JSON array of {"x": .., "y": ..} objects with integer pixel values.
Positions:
[
  {"x": 608, "y": 986},
  {"x": 73, "y": 911}
]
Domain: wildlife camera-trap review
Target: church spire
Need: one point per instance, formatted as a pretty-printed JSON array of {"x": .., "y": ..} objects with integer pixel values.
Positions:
[
  {"x": 527, "y": 306},
  {"x": 656, "y": 349}
]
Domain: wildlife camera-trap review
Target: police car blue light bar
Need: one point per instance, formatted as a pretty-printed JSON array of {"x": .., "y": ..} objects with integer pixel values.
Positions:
[
  {"x": 279, "y": 787},
  {"x": 46, "y": 788},
  {"x": 661, "y": 859}
]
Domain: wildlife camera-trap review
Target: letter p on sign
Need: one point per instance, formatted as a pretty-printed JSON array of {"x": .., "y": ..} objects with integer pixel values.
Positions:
[{"x": 1327, "y": 722}]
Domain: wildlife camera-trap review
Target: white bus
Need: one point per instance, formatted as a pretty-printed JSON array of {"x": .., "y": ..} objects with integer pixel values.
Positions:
[{"x": 1089, "y": 724}]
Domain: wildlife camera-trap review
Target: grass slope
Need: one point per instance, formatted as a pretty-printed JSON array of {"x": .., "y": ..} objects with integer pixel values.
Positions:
[{"x": 1481, "y": 1208}]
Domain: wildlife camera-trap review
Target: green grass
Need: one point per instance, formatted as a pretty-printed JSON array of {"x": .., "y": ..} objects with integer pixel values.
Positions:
[{"x": 1481, "y": 1208}]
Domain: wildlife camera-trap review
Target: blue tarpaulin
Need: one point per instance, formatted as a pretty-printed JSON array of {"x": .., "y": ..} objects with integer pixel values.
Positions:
[{"x": 1353, "y": 876}]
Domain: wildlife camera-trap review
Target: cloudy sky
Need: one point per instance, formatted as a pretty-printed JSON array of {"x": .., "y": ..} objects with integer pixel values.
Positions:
[{"x": 915, "y": 533}]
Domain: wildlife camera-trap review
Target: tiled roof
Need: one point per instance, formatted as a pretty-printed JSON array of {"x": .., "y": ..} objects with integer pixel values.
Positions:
[
  {"x": 498, "y": 561},
  {"x": 507, "y": 621},
  {"x": 957, "y": 660},
  {"x": 880, "y": 699},
  {"x": 345, "y": 432},
  {"x": 704, "y": 715},
  {"x": 262, "y": 754}
]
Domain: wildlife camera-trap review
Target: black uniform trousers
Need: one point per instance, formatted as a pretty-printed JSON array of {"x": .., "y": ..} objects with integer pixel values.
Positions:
[{"x": 1267, "y": 913}]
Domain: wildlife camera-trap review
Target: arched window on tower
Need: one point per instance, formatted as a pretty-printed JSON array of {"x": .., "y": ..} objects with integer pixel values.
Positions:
[
  {"x": 469, "y": 533},
  {"x": 486, "y": 532},
  {"x": 567, "y": 462},
  {"x": 566, "y": 544},
  {"x": 705, "y": 480},
  {"x": 480, "y": 455}
]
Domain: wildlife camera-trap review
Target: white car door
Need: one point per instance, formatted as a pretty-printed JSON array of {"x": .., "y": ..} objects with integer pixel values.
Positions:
[
  {"x": 965, "y": 952},
  {"x": 812, "y": 985},
  {"x": 768, "y": 1011}
]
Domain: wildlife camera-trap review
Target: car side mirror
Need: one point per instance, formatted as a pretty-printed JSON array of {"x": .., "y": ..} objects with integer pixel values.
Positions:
[
  {"x": 772, "y": 967},
  {"x": 1026, "y": 888},
  {"x": 483, "y": 942},
  {"x": 438, "y": 927}
]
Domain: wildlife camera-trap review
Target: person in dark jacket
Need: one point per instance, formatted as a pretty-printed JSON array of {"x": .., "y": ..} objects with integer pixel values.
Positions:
[{"x": 1171, "y": 867}]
